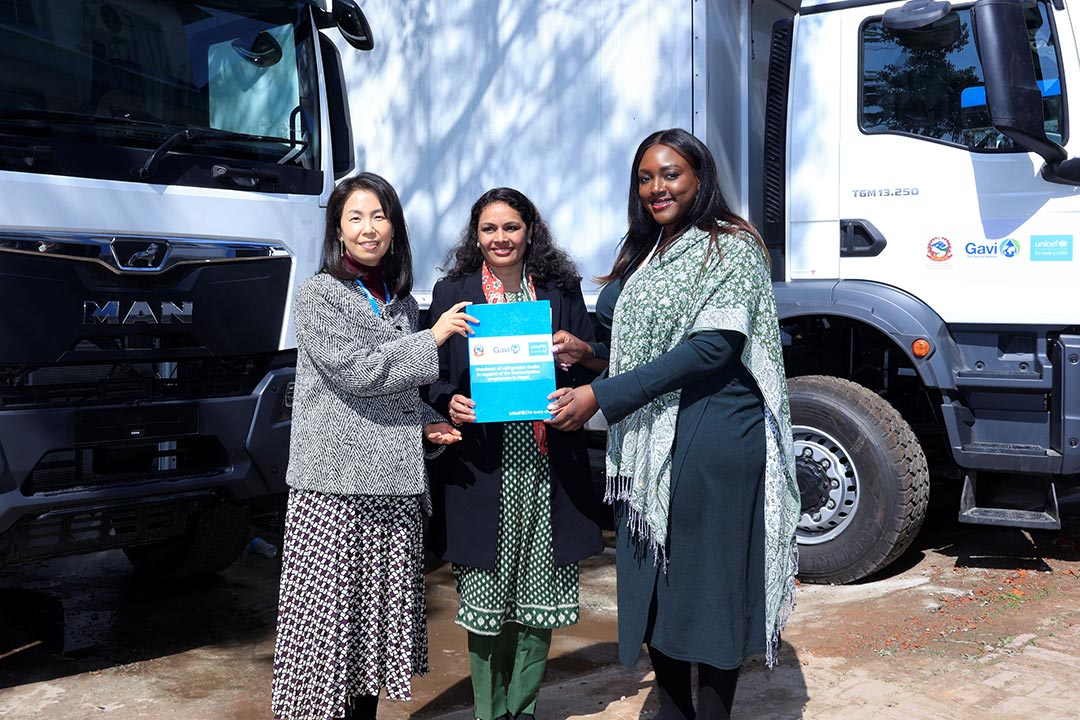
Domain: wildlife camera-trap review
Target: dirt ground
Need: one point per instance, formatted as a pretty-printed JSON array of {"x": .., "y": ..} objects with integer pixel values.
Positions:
[{"x": 972, "y": 622}]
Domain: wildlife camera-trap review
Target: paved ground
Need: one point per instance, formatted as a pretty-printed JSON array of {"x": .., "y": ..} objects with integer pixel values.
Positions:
[{"x": 972, "y": 623}]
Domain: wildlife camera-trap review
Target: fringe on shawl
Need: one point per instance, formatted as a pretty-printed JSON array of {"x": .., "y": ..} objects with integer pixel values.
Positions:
[
  {"x": 772, "y": 644},
  {"x": 619, "y": 488}
]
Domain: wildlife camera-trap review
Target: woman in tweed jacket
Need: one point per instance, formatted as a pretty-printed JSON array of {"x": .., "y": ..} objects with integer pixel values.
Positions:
[{"x": 351, "y": 616}]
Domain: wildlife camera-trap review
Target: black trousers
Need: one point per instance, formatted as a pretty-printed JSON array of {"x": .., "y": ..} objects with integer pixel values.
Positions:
[{"x": 716, "y": 689}]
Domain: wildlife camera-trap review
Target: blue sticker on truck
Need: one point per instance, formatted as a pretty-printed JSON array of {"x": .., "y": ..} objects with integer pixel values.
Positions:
[
  {"x": 1052, "y": 247},
  {"x": 975, "y": 95}
]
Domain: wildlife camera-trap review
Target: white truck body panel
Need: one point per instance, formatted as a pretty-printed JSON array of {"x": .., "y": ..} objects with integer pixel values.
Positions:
[
  {"x": 549, "y": 98},
  {"x": 813, "y": 152}
]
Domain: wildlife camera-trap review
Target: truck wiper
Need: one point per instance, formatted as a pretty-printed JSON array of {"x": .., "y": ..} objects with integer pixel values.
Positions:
[
  {"x": 197, "y": 135},
  {"x": 73, "y": 118},
  {"x": 24, "y": 155}
]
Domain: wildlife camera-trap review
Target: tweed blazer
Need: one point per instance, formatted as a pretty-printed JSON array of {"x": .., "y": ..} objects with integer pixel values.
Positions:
[{"x": 358, "y": 421}]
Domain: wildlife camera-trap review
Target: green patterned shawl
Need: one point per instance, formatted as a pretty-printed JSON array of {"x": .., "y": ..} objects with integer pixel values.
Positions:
[{"x": 663, "y": 303}]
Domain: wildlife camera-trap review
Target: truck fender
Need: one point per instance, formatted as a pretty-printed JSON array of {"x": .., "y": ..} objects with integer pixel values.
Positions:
[{"x": 898, "y": 314}]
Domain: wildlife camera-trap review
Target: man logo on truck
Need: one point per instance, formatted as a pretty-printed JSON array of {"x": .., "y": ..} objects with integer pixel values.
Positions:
[
  {"x": 139, "y": 311},
  {"x": 140, "y": 254}
]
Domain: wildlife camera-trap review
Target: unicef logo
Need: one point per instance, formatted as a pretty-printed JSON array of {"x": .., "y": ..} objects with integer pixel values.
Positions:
[{"x": 1009, "y": 248}]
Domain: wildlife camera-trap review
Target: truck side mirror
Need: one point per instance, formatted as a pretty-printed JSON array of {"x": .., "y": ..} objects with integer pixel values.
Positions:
[
  {"x": 916, "y": 14},
  {"x": 354, "y": 27},
  {"x": 1013, "y": 97},
  {"x": 260, "y": 49}
]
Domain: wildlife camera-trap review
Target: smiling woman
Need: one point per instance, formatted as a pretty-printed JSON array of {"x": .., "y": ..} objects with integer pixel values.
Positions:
[
  {"x": 351, "y": 616},
  {"x": 699, "y": 449},
  {"x": 511, "y": 498},
  {"x": 366, "y": 231},
  {"x": 667, "y": 186}
]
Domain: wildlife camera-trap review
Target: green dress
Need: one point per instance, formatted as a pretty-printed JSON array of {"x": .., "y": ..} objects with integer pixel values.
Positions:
[{"x": 525, "y": 587}]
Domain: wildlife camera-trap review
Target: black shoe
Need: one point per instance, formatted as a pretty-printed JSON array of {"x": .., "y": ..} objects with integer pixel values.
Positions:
[
  {"x": 362, "y": 707},
  {"x": 525, "y": 716}
]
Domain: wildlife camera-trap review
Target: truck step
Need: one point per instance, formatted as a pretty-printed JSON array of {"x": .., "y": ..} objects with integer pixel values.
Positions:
[
  {"x": 1032, "y": 518},
  {"x": 1004, "y": 449},
  {"x": 1003, "y": 457}
]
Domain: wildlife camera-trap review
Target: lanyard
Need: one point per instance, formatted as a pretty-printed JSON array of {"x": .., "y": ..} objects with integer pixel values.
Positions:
[{"x": 371, "y": 298}]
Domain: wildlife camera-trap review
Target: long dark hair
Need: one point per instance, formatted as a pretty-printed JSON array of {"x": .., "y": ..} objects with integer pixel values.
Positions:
[
  {"x": 397, "y": 263},
  {"x": 708, "y": 208},
  {"x": 544, "y": 260}
]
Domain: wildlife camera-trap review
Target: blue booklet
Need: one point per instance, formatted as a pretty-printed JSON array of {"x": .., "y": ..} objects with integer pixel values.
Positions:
[{"x": 511, "y": 368}]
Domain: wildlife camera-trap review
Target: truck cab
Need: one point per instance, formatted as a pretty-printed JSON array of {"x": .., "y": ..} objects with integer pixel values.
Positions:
[
  {"x": 164, "y": 167},
  {"x": 922, "y": 205}
]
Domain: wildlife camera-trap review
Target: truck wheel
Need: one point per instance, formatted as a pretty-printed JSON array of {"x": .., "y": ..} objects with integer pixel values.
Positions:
[
  {"x": 215, "y": 537},
  {"x": 862, "y": 476}
]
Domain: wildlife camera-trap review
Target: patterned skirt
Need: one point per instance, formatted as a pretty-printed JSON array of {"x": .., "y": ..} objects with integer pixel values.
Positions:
[
  {"x": 351, "y": 614},
  {"x": 525, "y": 587}
]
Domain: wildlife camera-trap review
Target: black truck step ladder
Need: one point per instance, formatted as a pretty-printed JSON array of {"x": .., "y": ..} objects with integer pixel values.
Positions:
[{"x": 1033, "y": 518}]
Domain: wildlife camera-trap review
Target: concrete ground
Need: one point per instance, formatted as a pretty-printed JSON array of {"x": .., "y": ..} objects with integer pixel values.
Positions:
[{"x": 971, "y": 623}]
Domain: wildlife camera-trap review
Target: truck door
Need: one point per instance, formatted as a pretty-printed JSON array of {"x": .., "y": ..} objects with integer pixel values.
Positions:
[{"x": 933, "y": 199}]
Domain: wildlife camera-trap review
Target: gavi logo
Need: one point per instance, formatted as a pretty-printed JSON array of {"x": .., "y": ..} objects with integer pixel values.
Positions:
[{"x": 1007, "y": 248}]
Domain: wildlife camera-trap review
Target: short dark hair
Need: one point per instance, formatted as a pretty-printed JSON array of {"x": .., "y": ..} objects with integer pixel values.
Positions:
[
  {"x": 709, "y": 206},
  {"x": 544, "y": 260},
  {"x": 397, "y": 263}
]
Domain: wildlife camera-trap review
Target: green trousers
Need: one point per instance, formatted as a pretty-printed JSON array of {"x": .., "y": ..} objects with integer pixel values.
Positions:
[{"x": 507, "y": 669}]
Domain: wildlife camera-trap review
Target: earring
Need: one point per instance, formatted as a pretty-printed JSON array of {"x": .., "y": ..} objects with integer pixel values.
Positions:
[
  {"x": 477, "y": 243},
  {"x": 341, "y": 241}
]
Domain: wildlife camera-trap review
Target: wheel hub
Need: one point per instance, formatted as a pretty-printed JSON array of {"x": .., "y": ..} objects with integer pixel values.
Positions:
[
  {"x": 813, "y": 482},
  {"x": 828, "y": 483}
]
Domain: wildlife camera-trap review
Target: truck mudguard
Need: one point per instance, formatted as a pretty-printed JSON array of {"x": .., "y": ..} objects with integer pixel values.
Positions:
[{"x": 898, "y": 314}]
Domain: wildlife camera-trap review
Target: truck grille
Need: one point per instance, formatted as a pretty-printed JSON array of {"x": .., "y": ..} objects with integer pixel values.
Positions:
[
  {"x": 23, "y": 386},
  {"x": 126, "y": 463}
]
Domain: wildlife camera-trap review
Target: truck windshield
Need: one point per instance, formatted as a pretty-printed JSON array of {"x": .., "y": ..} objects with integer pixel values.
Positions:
[{"x": 129, "y": 74}]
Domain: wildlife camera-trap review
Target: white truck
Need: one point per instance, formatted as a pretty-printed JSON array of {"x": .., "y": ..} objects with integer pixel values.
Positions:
[
  {"x": 164, "y": 169},
  {"x": 907, "y": 163}
]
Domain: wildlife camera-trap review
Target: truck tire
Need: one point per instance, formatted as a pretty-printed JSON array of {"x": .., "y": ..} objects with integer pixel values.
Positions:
[
  {"x": 215, "y": 537},
  {"x": 863, "y": 479}
]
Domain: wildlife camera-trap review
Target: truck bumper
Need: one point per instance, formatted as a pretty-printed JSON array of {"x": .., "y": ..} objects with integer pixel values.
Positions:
[{"x": 82, "y": 479}]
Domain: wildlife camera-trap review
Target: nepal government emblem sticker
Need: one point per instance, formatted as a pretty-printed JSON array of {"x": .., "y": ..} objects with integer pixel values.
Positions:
[{"x": 939, "y": 249}]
